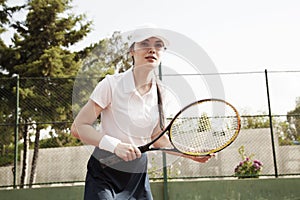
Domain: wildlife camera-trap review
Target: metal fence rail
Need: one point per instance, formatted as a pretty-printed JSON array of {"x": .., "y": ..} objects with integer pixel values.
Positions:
[{"x": 44, "y": 107}]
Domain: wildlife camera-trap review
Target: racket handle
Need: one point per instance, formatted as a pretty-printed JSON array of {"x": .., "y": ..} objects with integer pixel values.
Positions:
[{"x": 144, "y": 148}]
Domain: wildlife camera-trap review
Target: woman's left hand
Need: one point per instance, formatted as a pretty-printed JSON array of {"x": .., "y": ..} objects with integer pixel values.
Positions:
[{"x": 201, "y": 159}]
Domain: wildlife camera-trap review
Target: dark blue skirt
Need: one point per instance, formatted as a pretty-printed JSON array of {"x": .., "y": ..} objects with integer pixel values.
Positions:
[{"x": 122, "y": 181}]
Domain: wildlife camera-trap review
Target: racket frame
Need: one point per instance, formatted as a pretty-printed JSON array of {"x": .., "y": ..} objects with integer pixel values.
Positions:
[{"x": 168, "y": 129}]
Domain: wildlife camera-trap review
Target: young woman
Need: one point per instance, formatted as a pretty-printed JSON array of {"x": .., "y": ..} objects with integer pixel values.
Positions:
[{"x": 128, "y": 105}]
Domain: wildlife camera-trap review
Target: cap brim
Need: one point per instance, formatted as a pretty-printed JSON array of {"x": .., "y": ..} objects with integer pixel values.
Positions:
[{"x": 145, "y": 33}]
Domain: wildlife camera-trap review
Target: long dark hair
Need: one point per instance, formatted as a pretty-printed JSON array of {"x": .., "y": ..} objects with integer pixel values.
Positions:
[
  {"x": 131, "y": 48},
  {"x": 160, "y": 108}
]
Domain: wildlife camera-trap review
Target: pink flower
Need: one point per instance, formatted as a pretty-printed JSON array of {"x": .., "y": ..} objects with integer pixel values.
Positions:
[
  {"x": 256, "y": 165},
  {"x": 258, "y": 162}
]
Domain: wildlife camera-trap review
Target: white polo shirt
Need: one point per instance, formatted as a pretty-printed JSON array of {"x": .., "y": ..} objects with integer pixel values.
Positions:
[{"x": 127, "y": 115}]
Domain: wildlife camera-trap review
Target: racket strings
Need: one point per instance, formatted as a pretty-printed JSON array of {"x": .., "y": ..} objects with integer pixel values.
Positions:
[{"x": 199, "y": 133}]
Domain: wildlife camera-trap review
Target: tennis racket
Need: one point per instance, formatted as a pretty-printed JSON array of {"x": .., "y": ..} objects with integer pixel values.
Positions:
[{"x": 200, "y": 128}]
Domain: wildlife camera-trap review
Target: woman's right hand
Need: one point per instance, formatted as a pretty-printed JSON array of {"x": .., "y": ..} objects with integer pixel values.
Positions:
[{"x": 127, "y": 152}]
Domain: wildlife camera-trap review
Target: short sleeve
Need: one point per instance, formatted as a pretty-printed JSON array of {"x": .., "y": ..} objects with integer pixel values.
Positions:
[{"x": 102, "y": 93}]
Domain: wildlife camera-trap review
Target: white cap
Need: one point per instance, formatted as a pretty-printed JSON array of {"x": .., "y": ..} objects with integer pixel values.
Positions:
[{"x": 146, "y": 31}]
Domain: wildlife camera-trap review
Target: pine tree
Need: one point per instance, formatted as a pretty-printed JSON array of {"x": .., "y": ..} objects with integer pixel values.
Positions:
[{"x": 40, "y": 49}]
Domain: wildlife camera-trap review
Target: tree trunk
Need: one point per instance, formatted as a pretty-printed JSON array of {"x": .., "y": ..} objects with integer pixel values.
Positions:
[
  {"x": 25, "y": 156},
  {"x": 35, "y": 157}
]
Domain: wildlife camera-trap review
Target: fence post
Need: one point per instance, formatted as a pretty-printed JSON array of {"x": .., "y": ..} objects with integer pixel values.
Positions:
[
  {"x": 271, "y": 125},
  {"x": 16, "y": 133},
  {"x": 165, "y": 171}
]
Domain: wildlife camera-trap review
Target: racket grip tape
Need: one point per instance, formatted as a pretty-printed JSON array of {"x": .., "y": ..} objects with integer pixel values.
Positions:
[{"x": 144, "y": 148}]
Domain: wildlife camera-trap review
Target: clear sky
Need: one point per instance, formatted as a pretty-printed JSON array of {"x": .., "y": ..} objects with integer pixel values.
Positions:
[{"x": 239, "y": 36}]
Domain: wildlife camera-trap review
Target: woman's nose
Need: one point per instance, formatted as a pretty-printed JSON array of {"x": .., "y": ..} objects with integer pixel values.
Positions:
[{"x": 151, "y": 50}]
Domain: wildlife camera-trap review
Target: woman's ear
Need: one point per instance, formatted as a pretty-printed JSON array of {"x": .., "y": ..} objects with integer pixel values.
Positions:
[{"x": 131, "y": 51}]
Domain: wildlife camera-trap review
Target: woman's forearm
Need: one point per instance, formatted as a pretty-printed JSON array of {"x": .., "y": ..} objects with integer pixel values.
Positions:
[
  {"x": 86, "y": 133},
  {"x": 82, "y": 127}
]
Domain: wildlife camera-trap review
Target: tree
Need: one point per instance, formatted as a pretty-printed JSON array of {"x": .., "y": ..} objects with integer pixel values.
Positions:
[
  {"x": 259, "y": 121},
  {"x": 40, "y": 49},
  {"x": 107, "y": 56},
  {"x": 7, "y": 95},
  {"x": 6, "y": 15},
  {"x": 5, "y": 18},
  {"x": 288, "y": 130},
  {"x": 293, "y": 118}
]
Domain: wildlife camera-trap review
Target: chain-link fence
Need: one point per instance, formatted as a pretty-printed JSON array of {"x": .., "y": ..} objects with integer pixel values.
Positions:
[{"x": 43, "y": 108}]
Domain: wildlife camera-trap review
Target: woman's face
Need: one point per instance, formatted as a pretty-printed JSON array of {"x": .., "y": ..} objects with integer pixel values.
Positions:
[{"x": 148, "y": 52}]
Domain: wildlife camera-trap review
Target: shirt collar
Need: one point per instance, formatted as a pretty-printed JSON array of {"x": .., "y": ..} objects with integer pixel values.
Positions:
[{"x": 128, "y": 82}]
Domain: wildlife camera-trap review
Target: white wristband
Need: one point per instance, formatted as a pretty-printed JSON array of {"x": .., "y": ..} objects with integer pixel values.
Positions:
[{"x": 109, "y": 143}]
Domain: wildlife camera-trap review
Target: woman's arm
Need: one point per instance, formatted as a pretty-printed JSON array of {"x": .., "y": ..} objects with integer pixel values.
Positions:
[
  {"x": 82, "y": 126},
  {"x": 82, "y": 129}
]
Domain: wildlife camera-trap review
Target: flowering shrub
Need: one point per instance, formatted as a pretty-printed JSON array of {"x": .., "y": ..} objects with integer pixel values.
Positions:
[{"x": 247, "y": 168}]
